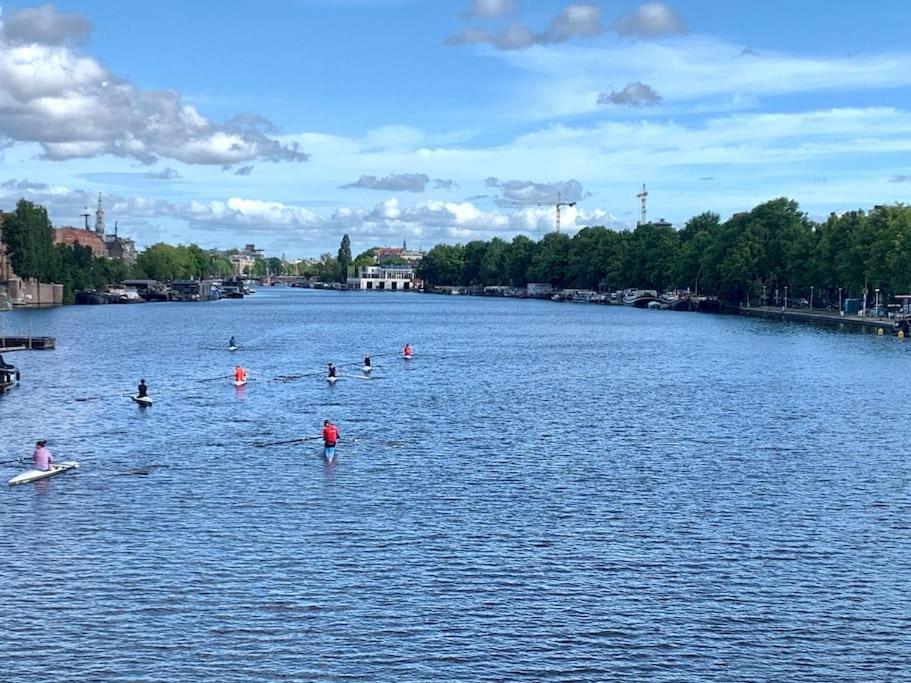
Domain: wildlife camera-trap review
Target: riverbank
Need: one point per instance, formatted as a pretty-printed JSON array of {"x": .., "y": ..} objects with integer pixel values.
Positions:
[{"x": 885, "y": 325}]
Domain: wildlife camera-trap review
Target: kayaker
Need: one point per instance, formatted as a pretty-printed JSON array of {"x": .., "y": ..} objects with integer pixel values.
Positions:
[
  {"x": 333, "y": 372},
  {"x": 42, "y": 456},
  {"x": 143, "y": 389},
  {"x": 240, "y": 375},
  {"x": 407, "y": 350},
  {"x": 367, "y": 362},
  {"x": 330, "y": 434},
  {"x": 231, "y": 342}
]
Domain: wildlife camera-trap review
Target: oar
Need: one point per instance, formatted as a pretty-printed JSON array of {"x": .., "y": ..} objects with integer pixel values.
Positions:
[
  {"x": 12, "y": 462},
  {"x": 260, "y": 444}
]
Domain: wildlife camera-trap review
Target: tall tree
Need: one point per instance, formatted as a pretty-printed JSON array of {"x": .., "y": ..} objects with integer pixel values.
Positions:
[
  {"x": 29, "y": 239},
  {"x": 344, "y": 258}
]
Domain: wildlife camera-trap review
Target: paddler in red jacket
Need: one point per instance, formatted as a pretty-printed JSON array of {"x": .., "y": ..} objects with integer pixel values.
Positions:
[{"x": 330, "y": 434}]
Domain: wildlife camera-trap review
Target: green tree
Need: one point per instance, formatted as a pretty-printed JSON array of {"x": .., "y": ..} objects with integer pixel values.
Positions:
[
  {"x": 29, "y": 239},
  {"x": 344, "y": 258}
]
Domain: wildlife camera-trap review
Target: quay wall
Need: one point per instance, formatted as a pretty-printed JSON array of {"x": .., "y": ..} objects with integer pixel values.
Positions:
[
  {"x": 34, "y": 294},
  {"x": 819, "y": 317}
]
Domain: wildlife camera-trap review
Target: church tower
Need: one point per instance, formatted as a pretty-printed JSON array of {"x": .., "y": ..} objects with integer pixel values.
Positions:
[{"x": 99, "y": 219}]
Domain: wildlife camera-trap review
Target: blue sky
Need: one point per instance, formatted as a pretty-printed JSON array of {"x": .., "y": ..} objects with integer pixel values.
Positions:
[{"x": 290, "y": 122}]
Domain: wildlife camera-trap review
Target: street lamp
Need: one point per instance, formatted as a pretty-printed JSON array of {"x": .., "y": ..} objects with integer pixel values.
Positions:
[
  {"x": 876, "y": 301},
  {"x": 811, "y": 297},
  {"x": 839, "y": 299},
  {"x": 785, "y": 296}
]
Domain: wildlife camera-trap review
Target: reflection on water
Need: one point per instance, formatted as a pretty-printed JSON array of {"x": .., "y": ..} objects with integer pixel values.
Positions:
[{"x": 544, "y": 492}]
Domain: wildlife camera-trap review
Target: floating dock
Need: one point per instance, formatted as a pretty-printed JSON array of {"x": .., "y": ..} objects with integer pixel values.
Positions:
[
  {"x": 820, "y": 317},
  {"x": 27, "y": 343}
]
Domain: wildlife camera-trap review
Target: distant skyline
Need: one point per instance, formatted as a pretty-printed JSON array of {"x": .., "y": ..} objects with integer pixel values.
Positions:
[{"x": 287, "y": 123}]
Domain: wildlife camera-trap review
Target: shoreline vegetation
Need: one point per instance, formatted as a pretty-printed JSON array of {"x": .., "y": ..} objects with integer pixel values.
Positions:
[{"x": 770, "y": 255}]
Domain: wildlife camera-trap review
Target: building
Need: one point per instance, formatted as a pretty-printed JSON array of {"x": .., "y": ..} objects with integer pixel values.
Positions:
[
  {"x": 121, "y": 248},
  {"x": 243, "y": 261},
  {"x": 72, "y": 237},
  {"x": 384, "y": 278},
  {"x": 403, "y": 253}
]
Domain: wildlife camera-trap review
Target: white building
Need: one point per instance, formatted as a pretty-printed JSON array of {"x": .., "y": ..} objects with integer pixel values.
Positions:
[
  {"x": 244, "y": 261},
  {"x": 384, "y": 278}
]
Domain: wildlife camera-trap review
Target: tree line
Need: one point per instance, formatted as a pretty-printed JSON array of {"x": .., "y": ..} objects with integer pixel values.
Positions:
[{"x": 743, "y": 259}]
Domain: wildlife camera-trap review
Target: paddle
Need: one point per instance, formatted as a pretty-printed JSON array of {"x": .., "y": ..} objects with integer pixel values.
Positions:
[
  {"x": 12, "y": 462},
  {"x": 260, "y": 444}
]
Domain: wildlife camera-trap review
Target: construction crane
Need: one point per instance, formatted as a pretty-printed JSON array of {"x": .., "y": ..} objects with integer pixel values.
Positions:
[
  {"x": 643, "y": 211},
  {"x": 557, "y": 205}
]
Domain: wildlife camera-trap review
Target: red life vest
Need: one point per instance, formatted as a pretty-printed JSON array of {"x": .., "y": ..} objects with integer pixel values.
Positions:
[{"x": 330, "y": 435}]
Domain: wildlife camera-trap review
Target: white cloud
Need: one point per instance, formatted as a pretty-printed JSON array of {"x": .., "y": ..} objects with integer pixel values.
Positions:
[
  {"x": 397, "y": 182},
  {"x": 74, "y": 107},
  {"x": 651, "y": 20},
  {"x": 575, "y": 21},
  {"x": 490, "y": 9},
  {"x": 44, "y": 25}
]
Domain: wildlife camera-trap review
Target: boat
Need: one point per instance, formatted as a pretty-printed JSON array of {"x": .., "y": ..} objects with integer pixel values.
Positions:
[
  {"x": 367, "y": 369},
  {"x": 9, "y": 377},
  {"x": 328, "y": 452},
  {"x": 35, "y": 475},
  {"x": 142, "y": 400},
  {"x": 123, "y": 295},
  {"x": 91, "y": 297},
  {"x": 232, "y": 348},
  {"x": 640, "y": 298},
  {"x": 332, "y": 380},
  {"x": 240, "y": 382}
]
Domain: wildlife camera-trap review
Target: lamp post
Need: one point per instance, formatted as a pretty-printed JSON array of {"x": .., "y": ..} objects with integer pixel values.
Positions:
[
  {"x": 839, "y": 300},
  {"x": 785, "y": 296},
  {"x": 811, "y": 298},
  {"x": 876, "y": 301}
]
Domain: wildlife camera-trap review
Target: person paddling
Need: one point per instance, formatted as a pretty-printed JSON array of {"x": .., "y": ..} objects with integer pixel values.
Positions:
[
  {"x": 331, "y": 436},
  {"x": 333, "y": 371},
  {"x": 407, "y": 351},
  {"x": 143, "y": 389},
  {"x": 42, "y": 456},
  {"x": 367, "y": 365},
  {"x": 240, "y": 375},
  {"x": 231, "y": 342}
]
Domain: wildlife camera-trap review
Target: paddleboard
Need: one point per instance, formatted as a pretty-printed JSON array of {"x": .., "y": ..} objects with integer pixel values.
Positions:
[
  {"x": 232, "y": 348},
  {"x": 35, "y": 475},
  {"x": 143, "y": 401},
  {"x": 240, "y": 382},
  {"x": 367, "y": 369}
]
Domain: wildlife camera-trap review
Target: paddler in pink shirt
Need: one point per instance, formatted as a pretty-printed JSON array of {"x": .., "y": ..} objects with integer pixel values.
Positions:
[{"x": 42, "y": 456}]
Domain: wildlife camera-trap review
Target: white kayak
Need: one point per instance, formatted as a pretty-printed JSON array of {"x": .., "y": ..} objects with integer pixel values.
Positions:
[
  {"x": 142, "y": 400},
  {"x": 367, "y": 369},
  {"x": 232, "y": 348},
  {"x": 332, "y": 380},
  {"x": 35, "y": 475},
  {"x": 240, "y": 382},
  {"x": 407, "y": 356}
]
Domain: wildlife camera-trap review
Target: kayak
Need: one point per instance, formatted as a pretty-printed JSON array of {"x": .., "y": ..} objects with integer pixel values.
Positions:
[
  {"x": 367, "y": 369},
  {"x": 232, "y": 348},
  {"x": 240, "y": 382},
  {"x": 407, "y": 356},
  {"x": 332, "y": 380},
  {"x": 35, "y": 475},
  {"x": 142, "y": 400}
]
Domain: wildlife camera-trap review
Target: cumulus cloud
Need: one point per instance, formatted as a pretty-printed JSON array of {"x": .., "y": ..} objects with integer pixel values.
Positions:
[
  {"x": 73, "y": 106},
  {"x": 167, "y": 173},
  {"x": 44, "y": 25},
  {"x": 526, "y": 191},
  {"x": 575, "y": 21},
  {"x": 651, "y": 20},
  {"x": 490, "y": 9},
  {"x": 244, "y": 170},
  {"x": 635, "y": 94},
  {"x": 445, "y": 184},
  {"x": 397, "y": 182}
]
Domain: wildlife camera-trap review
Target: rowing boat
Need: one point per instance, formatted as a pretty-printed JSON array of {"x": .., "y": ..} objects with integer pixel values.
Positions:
[
  {"x": 329, "y": 452},
  {"x": 332, "y": 380},
  {"x": 407, "y": 356},
  {"x": 367, "y": 369},
  {"x": 240, "y": 382},
  {"x": 232, "y": 348},
  {"x": 35, "y": 475},
  {"x": 142, "y": 400}
]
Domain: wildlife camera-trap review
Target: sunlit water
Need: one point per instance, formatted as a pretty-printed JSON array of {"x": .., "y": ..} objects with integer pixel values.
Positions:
[{"x": 546, "y": 492}]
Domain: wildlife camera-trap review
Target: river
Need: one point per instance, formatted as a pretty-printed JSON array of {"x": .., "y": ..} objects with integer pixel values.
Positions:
[{"x": 545, "y": 492}]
